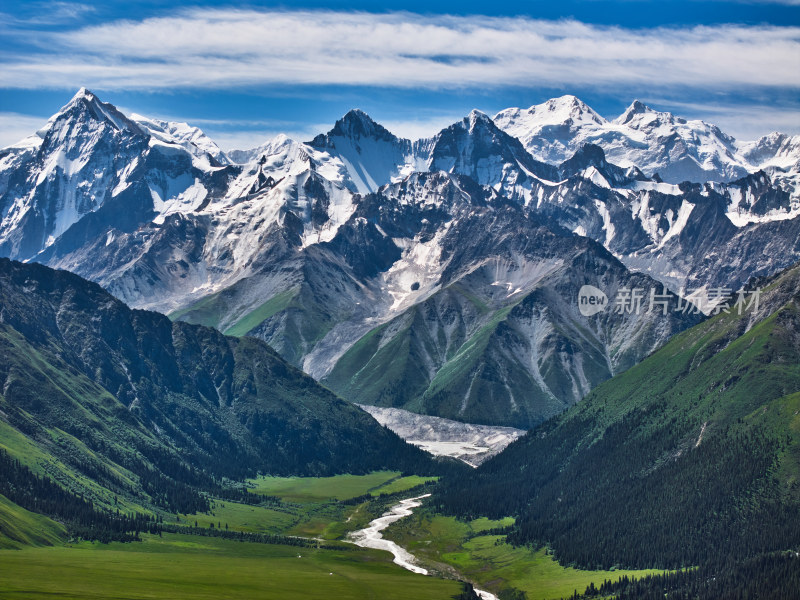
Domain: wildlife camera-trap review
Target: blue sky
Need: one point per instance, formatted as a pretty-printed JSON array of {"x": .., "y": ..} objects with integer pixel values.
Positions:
[{"x": 244, "y": 72}]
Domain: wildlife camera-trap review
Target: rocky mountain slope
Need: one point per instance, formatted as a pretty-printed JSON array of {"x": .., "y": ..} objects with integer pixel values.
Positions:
[{"x": 494, "y": 334}]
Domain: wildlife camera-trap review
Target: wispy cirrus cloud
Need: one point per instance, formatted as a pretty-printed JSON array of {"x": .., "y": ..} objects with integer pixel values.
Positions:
[
  {"x": 226, "y": 48},
  {"x": 48, "y": 13}
]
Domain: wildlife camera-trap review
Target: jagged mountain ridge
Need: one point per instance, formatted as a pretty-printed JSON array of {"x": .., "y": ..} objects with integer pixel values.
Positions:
[
  {"x": 401, "y": 251},
  {"x": 293, "y": 246}
]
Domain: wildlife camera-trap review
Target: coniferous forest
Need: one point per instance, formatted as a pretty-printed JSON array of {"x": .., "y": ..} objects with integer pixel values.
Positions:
[{"x": 83, "y": 520}]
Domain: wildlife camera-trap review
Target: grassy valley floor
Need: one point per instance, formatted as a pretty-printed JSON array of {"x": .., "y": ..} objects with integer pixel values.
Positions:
[
  {"x": 183, "y": 566},
  {"x": 203, "y": 568}
]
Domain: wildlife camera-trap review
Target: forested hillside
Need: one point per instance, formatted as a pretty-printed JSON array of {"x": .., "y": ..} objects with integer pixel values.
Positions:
[{"x": 689, "y": 459}]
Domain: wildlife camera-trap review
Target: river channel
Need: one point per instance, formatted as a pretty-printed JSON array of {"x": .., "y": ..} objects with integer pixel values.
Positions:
[{"x": 371, "y": 537}]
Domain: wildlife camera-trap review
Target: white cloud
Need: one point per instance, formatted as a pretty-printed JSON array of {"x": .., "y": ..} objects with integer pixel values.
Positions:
[
  {"x": 208, "y": 48},
  {"x": 15, "y": 127},
  {"x": 230, "y": 49}
]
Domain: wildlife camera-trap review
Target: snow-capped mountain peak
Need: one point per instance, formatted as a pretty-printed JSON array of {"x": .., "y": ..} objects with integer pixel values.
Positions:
[
  {"x": 87, "y": 153},
  {"x": 636, "y": 108},
  {"x": 476, "y": 147},
  {"x": 83, "y": 93},
  {"x": 477, "y": 118},
  {"x": 657, "y": 142},
  {"x": 85, "y": 104},
  {"x": 355, "y": 124},
  {"x": 187, "y": 136},
  {"x": 313, "y": 245},
  {"x": 640, "y": 117},
  {"x": 554, "y": 130},
  {"x": 371, "y": 154},
  {"x": 562, "y": 112},
  {"x": 565, "y": 108},
  {"x": 160, "y": 169},
  {"x": 590, "y": 163},
  {"x": 774, "y": 149}
]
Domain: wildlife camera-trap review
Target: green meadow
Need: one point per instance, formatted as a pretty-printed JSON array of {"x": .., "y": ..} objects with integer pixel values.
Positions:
[
  {"x": 179, "y": 567},
  {"x": 22, "y": 528},
  {"x": 243, "y": 517},
  {"x": 311, "y": 506},
  {"x": 176, "y": 566},
  {"x": 402, "y": 484},
  {"x": 338, "y": 487}
]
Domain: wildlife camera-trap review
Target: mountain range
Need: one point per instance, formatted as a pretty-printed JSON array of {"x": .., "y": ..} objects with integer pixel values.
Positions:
[{"x": 439, "y": 275}]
